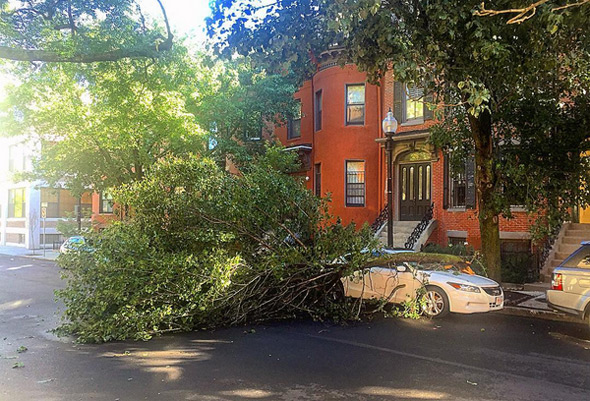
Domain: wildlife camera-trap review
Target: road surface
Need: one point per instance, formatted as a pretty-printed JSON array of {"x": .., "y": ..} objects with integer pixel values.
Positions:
[{"x": 483, "y": 357}]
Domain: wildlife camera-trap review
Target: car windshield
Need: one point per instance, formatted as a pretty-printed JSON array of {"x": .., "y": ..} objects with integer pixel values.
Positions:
[
  {"x": 459, "y": 267},
  {"x": 580, "y": 258}
]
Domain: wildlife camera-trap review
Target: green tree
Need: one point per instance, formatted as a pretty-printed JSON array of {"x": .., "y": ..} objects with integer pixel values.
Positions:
[
  {"x": 105, "y": 124},
  {"x": 79, "y": 31},
  {"x": 238, "y": 104},
  {"x": 205, "y": 248},
  {"x": 477, "y": 67}
]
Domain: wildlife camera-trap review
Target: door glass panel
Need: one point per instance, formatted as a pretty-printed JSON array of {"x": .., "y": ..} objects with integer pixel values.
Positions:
[
  {"x": 428, "y": 182},
  {"x": 411, "y": 179},
  {"x": 420, "y": 182},
  {"x": 404, "y": 183}
]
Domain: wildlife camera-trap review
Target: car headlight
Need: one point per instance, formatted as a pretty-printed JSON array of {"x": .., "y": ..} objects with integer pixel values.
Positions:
[{"x": 464, "y": 287}]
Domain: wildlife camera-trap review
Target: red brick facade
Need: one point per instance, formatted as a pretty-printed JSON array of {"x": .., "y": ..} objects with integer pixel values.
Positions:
[{"x": 336, "y": 142}]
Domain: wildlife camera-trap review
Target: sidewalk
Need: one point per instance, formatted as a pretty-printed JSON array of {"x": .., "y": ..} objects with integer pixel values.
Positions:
[
  {"x": 530, "y": 300},
  {"x": 50, "y": 254}
]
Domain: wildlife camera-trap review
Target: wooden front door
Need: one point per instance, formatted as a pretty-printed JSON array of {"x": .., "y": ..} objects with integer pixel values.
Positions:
[{"x": 415, "y": 190}]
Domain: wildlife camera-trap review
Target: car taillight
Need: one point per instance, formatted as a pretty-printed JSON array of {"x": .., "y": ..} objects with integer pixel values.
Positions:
[{"x": 557, "y": 282}]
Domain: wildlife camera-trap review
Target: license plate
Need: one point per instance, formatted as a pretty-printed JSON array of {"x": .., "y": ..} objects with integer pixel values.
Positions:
[{"x": 499, "y": 301}]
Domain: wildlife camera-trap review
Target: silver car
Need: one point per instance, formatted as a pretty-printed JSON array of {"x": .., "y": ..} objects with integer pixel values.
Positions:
[{"x": 570, "y": 284}]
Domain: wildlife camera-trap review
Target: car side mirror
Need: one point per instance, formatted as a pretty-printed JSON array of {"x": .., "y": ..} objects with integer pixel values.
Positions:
[{"x": 401, "y": 268}]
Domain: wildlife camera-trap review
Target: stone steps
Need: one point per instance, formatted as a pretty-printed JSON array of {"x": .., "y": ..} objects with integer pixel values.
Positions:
[
  {"x": 573, "y": 235},
  {"x": 401, "y": 232},
  {"x": 575, "y": 240}
]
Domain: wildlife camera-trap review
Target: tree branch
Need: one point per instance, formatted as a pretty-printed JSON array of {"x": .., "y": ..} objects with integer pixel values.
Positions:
[
  {"x": 17, "y": 54},
  {"x": 524, "y": 13},
  {"x": 145, "y": 51}
]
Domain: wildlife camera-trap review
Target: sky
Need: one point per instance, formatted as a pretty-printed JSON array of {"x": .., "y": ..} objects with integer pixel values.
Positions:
[{"x": 186, "y": 17}]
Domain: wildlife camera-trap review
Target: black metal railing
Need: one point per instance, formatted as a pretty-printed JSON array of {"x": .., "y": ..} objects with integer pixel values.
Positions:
[
  {"x": 380, "y": 221},
  {"x": 420, "y": 228}
]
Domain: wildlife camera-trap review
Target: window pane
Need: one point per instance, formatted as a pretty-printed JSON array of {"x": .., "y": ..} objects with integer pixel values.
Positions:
[
  {"x": 294, "y": 125},
  {"x": 414, "y": 104},
  {"x": 428, "y": 182},
  {"x": 355, "y": 94},
  {"x": 67, "y": 204},
  {"x": 411, "y": 178},
  {"x": 404, "y": 183},
  {"x": 581, "y": 258},
  {"x": 420, "y": 182},
  {"x": 16, "y": 203},
  {"x": 318, "y": 110},
  {"x": 106, "y": 203},
  {"x": 355, "y": 114}
]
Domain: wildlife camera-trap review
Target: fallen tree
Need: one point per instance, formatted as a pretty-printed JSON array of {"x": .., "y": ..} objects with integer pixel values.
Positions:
[{"x": 207, "y": 249}]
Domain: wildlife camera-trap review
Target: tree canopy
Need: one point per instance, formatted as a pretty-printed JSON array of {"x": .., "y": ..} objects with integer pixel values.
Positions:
[
  {"x": 480, "y": 69},
  {"x": 106, "y": 124},
  {"x": 79, "y": 31}
]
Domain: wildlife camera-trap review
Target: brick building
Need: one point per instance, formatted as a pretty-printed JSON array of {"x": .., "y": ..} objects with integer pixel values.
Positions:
[{"x": 340, "y": 140}]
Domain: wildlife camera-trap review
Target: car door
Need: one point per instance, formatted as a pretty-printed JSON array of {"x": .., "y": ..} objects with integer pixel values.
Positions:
[
  {"x": 385, "y": 281},
  {"x": 408, "y": 285},
  {"x": 360, "y": 284}
]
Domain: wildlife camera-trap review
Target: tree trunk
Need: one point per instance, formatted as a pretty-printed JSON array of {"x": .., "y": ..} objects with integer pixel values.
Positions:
[{"x": 485, "y": 183}]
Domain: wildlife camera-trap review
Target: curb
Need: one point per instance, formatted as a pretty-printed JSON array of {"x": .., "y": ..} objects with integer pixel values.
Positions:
[
  {"x": 539, "y": 314},
  {"x": 36, "y": 257}
]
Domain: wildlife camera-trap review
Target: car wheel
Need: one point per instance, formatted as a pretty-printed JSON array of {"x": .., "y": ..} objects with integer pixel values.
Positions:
[{"x": 435, "y": 303}]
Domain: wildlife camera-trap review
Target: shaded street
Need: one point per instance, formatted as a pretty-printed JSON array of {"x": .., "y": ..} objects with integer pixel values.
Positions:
[{"x": 489, "y": 357}]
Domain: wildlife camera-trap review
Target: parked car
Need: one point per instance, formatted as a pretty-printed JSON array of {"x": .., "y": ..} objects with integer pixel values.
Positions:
[
  {"x": 76, "y": 242},
  {"x": 570, "y": 284},
  {"x": 447, "y": 289}
]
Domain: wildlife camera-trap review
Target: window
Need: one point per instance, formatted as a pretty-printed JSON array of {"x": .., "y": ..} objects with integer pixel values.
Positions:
[
  {"x": 580, "y": 258},
  {"x": 50, "y": 238},
  {"x": 413, "y": 104},
  {"x": 355, "y": 104},
  {"x": 294, "y": 125},
  {"x": 16, "y": 203},
  {"x": 318, "y": 180},
  {"x": 318, "y": 110},
  {"x": 61, "y": 203},
  {"x": 16, "y": 158},
  {"x": 459, "y": 183},
  {"x": 106, "y": 203},
  {"x": 457, "y": 188},
  {"x": 457, "y": 241},
  {"x": 355, "y": 183}
]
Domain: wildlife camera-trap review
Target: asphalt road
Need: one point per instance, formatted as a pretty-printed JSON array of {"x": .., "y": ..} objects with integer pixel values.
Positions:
[{"x": 484, "y": 357}]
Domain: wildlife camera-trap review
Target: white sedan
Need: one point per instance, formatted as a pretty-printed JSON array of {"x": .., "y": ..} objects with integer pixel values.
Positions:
[{"x": 444, "y": 290}]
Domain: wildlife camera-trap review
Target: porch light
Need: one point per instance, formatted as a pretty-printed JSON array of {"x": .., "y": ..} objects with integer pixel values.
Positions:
[
  {"x": 389, "y": 124},
  {"x": 389, "y": 128}
]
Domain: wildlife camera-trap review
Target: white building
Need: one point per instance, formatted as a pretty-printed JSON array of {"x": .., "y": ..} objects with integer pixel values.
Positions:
[{"x": 20, "y": 201}]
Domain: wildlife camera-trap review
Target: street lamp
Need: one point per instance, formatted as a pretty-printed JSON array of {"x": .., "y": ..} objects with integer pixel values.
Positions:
[{"x": 389, "y": 128}]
